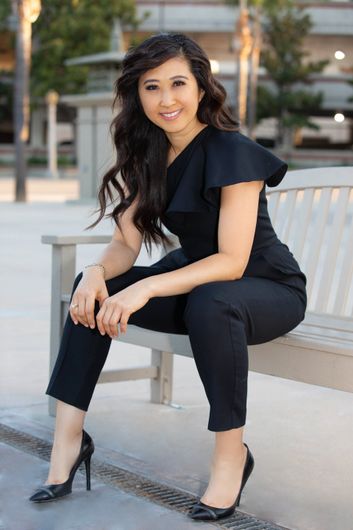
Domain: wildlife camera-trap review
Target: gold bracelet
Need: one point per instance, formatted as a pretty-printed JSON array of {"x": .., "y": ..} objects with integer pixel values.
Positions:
[{"x": 96, "y": 265}]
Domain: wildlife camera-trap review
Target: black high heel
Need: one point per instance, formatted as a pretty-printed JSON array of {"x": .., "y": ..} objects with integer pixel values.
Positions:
[
  {"x": 51, "y": 492},
  {"x": 203, "y": 512}
]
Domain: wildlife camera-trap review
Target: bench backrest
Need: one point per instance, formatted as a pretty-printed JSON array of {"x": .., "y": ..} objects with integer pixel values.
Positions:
[{"x": 312, "y": 212}]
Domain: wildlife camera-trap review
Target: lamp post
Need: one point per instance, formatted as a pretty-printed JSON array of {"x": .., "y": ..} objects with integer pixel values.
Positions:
[
  {"x": 26, "y": 12},
  {"x": 52, "y": 98}
]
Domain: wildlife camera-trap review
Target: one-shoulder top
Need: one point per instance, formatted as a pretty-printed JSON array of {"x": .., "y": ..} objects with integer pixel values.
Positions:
[{"x": 216, "y": 158}]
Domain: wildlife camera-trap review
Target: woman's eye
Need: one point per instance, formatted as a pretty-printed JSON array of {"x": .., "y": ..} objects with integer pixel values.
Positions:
[{"x": 176, "y": 83}]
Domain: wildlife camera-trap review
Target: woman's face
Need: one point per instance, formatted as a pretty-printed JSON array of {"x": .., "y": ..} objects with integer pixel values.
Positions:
[{"x": 172, "y": 89}]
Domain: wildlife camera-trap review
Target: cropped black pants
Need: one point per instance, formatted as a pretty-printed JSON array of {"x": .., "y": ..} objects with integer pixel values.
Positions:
[{"x": 221, "y": 319}]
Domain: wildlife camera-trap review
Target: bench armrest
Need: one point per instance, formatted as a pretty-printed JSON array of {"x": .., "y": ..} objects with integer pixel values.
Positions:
[
  {"x": 64, "y": 257},
  {"x": 75, "y": 240}
]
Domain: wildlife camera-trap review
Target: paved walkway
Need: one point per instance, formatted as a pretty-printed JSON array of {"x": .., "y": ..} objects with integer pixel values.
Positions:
[{"x": 301, "y": 435}]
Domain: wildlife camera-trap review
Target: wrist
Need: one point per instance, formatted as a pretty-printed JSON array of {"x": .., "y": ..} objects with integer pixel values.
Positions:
[
  {"x": 96, "y": 267},
  {"x": 149, "y": 285}
]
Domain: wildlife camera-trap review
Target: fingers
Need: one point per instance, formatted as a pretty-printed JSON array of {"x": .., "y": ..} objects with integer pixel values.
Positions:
[
  {"x": 82, "y": 311},
  {"x": 107, "y": 320},
  {"x": 89, "y": 310},
  {"x": 108, "y": 317},
  {"x": 73, "y": 310},
  {"x": 123, "y": 322}
]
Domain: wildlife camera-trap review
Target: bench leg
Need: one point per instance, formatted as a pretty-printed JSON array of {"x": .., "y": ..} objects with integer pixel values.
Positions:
[
  {"x": 63, "y": 275},
  {"x": 52, "y": 406},
  {"x": 162, "y": 385}
]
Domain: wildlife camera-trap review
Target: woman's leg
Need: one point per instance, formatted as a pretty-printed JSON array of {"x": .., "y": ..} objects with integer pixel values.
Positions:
[
  {"x": 222, "y": 318},
  {"x": 81, "y": 358},
  {"x": 67, "y": 441}
]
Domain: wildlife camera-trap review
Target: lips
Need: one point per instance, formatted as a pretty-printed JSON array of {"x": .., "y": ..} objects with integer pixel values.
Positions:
[{"x": 171, "y": 115}]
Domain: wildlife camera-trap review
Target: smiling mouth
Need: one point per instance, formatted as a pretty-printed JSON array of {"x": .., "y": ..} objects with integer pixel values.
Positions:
[{"x": 171, "y": 115}]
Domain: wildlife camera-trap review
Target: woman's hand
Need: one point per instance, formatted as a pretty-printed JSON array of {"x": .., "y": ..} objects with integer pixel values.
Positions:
[
  {"x": 91, "y": 287},
  {"x": 118, "y": 308}
]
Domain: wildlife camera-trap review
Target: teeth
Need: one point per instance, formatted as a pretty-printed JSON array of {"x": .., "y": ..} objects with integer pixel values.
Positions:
[{"x": 171, "y": 114}]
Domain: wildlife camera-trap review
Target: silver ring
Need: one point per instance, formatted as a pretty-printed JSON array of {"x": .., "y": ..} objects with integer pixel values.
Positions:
[{"x": 74, "y": 305}]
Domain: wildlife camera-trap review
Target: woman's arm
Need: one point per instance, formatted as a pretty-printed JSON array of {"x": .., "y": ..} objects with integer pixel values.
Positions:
[
  {"x": 122, "y": 252},
  {"x": 117, "y": 258},
  {"x": 236, "y": 230}
]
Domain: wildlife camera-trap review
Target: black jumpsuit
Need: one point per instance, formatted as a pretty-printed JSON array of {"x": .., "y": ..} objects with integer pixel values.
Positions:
[{"x": 220, "y": 317}]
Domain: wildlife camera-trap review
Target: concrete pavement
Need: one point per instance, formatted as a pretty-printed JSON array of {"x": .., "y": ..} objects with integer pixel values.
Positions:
[{"x": 300, "y": 435}]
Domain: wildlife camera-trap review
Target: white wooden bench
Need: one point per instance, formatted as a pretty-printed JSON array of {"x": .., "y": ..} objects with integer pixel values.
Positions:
[{"x": 312, "y": 212}]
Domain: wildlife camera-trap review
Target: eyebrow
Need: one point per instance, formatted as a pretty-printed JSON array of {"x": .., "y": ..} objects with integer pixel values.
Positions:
[{"x": 174, "y": 77}]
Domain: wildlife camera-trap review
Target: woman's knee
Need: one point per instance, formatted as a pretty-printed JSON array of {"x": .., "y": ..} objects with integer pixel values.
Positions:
[
  {"x": 205, "y": 304},
  {"x": 209, "y": 309}
]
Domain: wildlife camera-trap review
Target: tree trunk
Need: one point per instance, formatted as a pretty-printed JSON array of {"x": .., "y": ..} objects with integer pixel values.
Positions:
[
  {"x": 255, "y": 61},
  {"x": 21, "y": 99}
]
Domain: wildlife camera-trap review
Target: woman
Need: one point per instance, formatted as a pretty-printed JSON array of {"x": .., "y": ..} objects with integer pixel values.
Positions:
[{"x": 183, "y": 163}]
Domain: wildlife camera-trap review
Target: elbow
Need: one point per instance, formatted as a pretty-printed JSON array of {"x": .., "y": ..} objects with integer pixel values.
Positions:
[
  {"x": 237, "y": 271},
  {"x": 237, "y": 275}
]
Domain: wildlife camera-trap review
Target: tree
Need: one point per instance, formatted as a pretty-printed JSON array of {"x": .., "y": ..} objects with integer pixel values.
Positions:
[
  {"x": 285, "y": 61},
  {"x": 254, "y": 11},
  {"x": 5, "y": 12},
  {"x": 64, "y": 30},
  {"x": 72, "y": 29},
  {"x": 278, "y": 30}
]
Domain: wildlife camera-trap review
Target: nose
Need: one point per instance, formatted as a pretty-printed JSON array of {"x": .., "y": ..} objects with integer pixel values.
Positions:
[{"x": 167, "y": 98}]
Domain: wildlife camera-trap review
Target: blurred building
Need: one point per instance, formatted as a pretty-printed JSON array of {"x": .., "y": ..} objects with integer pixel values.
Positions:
[
  {"x": 83, "y": 118},
  {"x": 211, "y": 24}
]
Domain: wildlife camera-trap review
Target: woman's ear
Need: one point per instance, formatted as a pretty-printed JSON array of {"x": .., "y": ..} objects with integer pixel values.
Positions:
[{"x": 202, "y": 93}]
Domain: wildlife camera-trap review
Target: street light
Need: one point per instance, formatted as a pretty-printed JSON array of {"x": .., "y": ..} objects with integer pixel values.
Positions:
[
  {"x": 339, "y": 117},
  {"x": 339, "y": 55},
  {"x": 26, "y": 13}
]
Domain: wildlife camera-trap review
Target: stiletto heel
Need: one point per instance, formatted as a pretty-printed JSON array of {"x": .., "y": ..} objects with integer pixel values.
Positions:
[
  {"x": 203, "y": 512},
  {"x": 88, "y": 472},
  {"x": 51, "y": 492}
]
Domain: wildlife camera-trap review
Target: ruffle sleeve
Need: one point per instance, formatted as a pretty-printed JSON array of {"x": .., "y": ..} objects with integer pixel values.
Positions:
[
  {"x": 232, "y": 158},
  {"x": 221, "y": 159}
]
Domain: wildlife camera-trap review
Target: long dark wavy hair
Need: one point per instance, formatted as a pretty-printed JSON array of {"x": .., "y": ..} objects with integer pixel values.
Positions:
[{"x": 141, "y": 146}]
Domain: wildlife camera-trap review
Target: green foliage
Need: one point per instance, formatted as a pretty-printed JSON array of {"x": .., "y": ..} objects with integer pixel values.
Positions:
[
  {"x": 6, "y": 96},
  {"x": 299, "y": 104},
  {"x": 67, "y": 29},
  {"x": 71, "y": 29},
  {"x": 287, "y": 65},
  {"x": 63, "y": 161},
  {"x": 284, "y": 57},
  {"x": 284, "y": 27},
  {"x": 5, "y": 11}
]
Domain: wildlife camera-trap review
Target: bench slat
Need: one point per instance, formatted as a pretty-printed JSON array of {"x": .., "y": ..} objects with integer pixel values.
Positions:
[
  {"x": 273, "y": 205},
  {"x": 333, "y": 245},
  {"x": 315, "y": 178},
  {"x": 304, "y": 219},
  {"x": 319, "y": 229},
  {"x": 128, "y": 374},
  {"x": 286, "y": 224},
  {"x": 346, "y": 276}
]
